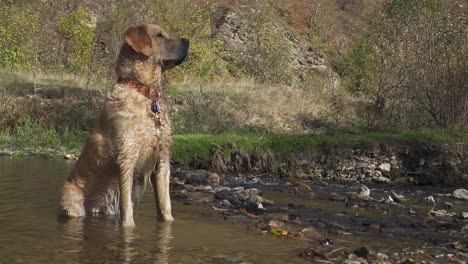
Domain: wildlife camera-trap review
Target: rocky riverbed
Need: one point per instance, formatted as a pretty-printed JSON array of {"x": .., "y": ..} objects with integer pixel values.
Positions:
[{"x": 338, "y": 223}]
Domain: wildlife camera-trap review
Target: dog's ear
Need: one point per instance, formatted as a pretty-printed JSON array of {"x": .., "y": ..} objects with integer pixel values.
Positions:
[{"x": 139, "y": 39}]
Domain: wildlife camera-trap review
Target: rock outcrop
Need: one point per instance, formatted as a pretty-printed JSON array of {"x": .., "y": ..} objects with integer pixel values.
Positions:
[{"x": 236, "y": 31}]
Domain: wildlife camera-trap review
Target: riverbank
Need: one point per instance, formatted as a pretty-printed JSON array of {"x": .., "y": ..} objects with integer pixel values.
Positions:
[
  {"x": 51, "y": 116},
  {"x": 337, "y": 223},
  {"x": 434, "y": 157}
]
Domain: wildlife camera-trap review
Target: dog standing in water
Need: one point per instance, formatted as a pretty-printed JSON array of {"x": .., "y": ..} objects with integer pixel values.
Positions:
[{"x": 130, "y": 143}]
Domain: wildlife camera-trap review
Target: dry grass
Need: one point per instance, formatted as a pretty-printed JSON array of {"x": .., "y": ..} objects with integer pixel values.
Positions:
[{"x": 246, "y": 105}]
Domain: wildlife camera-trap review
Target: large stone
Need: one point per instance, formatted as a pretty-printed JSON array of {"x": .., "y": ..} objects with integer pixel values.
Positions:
[
  {"x": 461, "y": 194},
  {"x": 385, "y": 167}
]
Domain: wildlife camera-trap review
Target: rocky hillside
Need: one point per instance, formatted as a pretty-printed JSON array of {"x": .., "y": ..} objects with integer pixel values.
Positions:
[
  {"x": 372, "y": 64},
  {"x": 238, "y": 32}
]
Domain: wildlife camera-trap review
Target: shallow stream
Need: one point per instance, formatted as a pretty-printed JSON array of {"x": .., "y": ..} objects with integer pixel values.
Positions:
[{"x": 30, "y": 231}]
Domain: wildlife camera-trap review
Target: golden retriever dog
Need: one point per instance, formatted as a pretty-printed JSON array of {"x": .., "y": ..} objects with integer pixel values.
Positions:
[{"x": 130, "y": 143}]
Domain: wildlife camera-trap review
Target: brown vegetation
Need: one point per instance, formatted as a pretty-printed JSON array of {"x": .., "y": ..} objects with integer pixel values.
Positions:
[{"x": 399, "y": 63}]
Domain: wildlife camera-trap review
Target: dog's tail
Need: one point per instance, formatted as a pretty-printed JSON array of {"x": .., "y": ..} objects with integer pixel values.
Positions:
[{"x": 72, "y": 200}]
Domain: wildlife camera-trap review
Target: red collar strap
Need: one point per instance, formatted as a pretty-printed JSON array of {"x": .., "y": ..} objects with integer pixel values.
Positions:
[{"x": 145, "y": 91}]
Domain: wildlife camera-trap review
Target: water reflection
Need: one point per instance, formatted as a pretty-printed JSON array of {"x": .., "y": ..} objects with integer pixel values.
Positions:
[
  {"x": 91, "y": 239},
  {"x": 30, "y": 231}
]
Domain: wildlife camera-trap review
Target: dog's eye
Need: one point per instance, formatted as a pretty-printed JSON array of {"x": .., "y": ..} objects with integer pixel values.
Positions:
[{"x": 159, "y": 35}]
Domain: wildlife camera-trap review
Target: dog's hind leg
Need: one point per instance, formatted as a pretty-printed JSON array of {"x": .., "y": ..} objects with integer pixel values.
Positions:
[
  {"x": 72, "y": 201},
  {"x": 160, "y": 181}
]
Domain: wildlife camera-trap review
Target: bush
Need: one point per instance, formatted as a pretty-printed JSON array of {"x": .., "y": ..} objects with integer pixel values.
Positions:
[
  {"x": 192, "y": 20},
  {"x": 411, "y": 69},
  {"x": 80, "y": 43},
  {"x": 17, "y": 33}
]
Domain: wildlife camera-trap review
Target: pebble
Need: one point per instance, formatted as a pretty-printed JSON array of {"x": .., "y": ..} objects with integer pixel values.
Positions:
[
  {"x": 461, "y": 194},
  {"x": 238, "y": 189},
  {"x": 70, "y": 157},
  {"x": 397, "y": 197},
  {"x": 311, "y": 233},
  {"x": 349, "y": 261},
  {"x": 215, "y": 178},
  {"x": 383, "y": 179},
  {"x": 222, "y": 188},
  {"x": 226, "y": 203},
  {"x": 6, "y": 152},
  {"x": 386, "y": 167},
  {"x": 439, "y": 213},
  {"x": 363, "y": 192},
  {"x": 464, "y": 215},
  {"x": 382, "y": 256},
  {"x": 276, "y": 224}
]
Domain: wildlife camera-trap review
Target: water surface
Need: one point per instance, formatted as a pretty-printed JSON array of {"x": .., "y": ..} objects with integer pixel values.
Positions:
[{"x": 30, "y": 231}]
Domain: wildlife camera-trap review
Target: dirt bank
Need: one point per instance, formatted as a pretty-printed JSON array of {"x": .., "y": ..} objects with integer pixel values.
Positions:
[{"x": 398, "y": 161}]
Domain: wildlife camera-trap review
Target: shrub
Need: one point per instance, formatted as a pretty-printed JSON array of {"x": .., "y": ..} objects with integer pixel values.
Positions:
[
  {"x": 411, "y": 69},
  {"x": 16, "y": 36},
  {"x": 192, "y": 19},
  {"x": 79, "y": 36}
]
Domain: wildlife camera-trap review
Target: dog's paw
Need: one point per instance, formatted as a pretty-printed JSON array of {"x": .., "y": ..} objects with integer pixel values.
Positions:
[
  {"x": 128, "y": 223},
  {"x": 167, "y": 218}
]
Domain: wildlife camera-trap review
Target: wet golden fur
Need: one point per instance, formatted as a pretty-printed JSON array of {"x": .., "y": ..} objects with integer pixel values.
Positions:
[{"x": 129, "y": 145}]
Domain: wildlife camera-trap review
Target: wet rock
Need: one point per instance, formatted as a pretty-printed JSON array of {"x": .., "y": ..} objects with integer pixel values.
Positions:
[
  {"x": 221, "y": 188},
  {"x": 397, "y": 197},
  {"x": 361, "y": 165},
  {"x": 238, "y": 189},
  {"x": 430, "y": 200},
  {"x": 6, "y": 152},
  {"x": 226, "y": 203},
  {"x": 382, "y": 179},
  {"x": 461, "y": 194},
  {"x": 389, "y": 200},
  {"x": 337, "y": 197},
  {"x": 364, "y": 192},
  {"x": 215, "y": 178},
  {"x": 403, "y": 180},
  {"x": 439, "y": 213},
  {"x": 448, "y": 205},
  {"x": 464, "y": 215},
  {"x": 350, "y": 261},
  {"x": 381, "y": 256},
  {"x": 203, "y": 188},
  {"x": 241, "y": 197},
  {"x": 276, "y": 224},
  {"x": 67, "y": 157},
  {"x": 198, "y": 177},
  {"x": 361, "y": 252},
  {"x": 311, "y": 233}
]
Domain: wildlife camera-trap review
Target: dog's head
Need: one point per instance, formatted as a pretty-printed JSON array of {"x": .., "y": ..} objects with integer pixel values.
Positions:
[{"x": 154, "y": 43}]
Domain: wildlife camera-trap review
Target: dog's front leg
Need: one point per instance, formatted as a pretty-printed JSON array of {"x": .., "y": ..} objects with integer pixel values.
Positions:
[
  {"x": 126, "y": 206},
  {"x": 160, "y": 181}
]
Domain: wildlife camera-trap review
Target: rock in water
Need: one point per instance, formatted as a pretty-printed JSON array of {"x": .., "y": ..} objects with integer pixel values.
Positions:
[
  {"x": 461, "y": 194},
  {"x": 397, "y": 197},
  {"x": 364, "y": 192}
]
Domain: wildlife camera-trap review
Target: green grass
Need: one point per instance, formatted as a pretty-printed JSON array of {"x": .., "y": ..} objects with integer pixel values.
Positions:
[
  {"x": 188, "y": 148},
  {"x": 192, "y": 148},
  {"x": 32, "y": 137}
]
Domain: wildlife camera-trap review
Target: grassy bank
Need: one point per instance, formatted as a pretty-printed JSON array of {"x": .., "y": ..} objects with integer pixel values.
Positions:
[
  {"x": 190, "y": 148},
  {"x": 52, "y": 115},
  {"x": 199, "y": 149}
]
